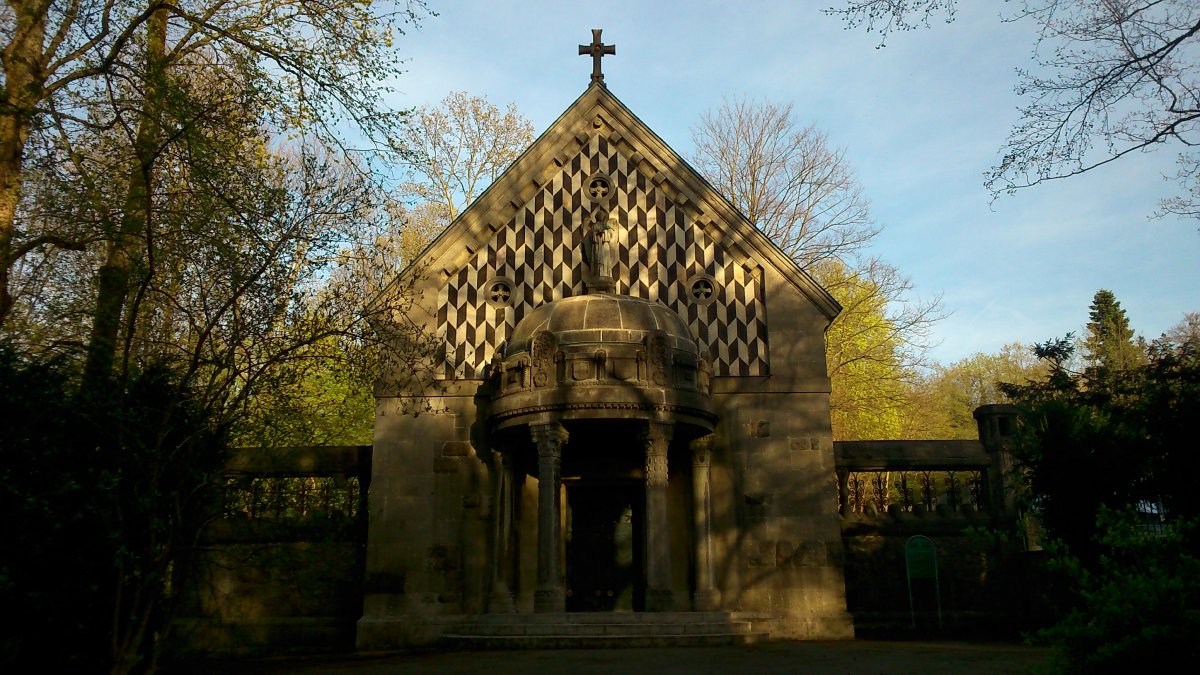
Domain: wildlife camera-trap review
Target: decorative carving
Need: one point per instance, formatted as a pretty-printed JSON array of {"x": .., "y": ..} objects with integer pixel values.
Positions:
[
  {"x": 658, "y": 359},
  {"x": 704, "y": 373},
  {"x": 599, "y": 188},
  {"x": 701, "y": 450},
  {"x": 597, "y": 50},
  {"x": 550, "y": 439},
  {"x": 582, "y": 369},
  {"x": 600, "y": 250},
  {"x": 702, "y": 290},
  {"x": 684, "y": 369},
  {"x": 655, "y": 439},
  {"x": 542, "y": 350}
]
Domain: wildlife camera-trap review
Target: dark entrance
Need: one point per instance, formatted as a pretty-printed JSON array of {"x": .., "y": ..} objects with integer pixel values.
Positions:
[{"x": 604, "y": 547}]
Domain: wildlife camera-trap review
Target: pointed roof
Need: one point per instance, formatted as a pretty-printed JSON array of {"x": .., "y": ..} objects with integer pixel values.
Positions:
[{"x": 479, "y": 221}]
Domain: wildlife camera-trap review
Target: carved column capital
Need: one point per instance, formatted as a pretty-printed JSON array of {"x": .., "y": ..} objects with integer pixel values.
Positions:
[
  {"x": 550, "y": 438},
  {"x": 656, "y": 437},
  {"x": 702, "y": 450}
]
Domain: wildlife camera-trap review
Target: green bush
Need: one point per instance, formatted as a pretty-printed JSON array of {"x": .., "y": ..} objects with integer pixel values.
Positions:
[
  {"x": 1138, "y": 607},
  {"x": 102, "y": 500}
]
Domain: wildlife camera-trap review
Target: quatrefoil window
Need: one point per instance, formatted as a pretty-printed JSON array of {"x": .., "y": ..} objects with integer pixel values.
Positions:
[
  {"x": 498, "y": 292},
  {"x": 702, "y": 290},
  {"x": 598, "y": 188}
]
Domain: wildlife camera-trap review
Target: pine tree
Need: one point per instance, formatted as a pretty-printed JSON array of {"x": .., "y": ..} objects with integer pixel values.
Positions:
[{"x": 1110, "y": 345}]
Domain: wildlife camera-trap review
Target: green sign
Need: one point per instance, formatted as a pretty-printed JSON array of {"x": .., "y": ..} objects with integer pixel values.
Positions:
[{"x": 920, "y": 558}]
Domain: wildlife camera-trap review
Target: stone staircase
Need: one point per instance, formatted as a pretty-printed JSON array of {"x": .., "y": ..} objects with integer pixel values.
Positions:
[{"x": 602, "y": 630}]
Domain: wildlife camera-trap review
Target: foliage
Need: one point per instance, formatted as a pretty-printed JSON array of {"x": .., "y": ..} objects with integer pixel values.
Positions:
[
  {"x": 459, "y": 147},
  {"x": 103, "y": 501},
  {"x": 1109, "y": 344},
  {"x": 785, "y": 178},
  {"x": 1108, "y": 79},
  {"x": 866, "y": 368},
  {"x": 188, "y": 224},
  {"x": 1115, "y": 442},
  {"x": 799, "y": 191},
  {"x": 1137, "y": 608},
  {"x": 114, "y": 67},
  {"x": 1103, "y": 462},
  {"x": 1186, "y": 332},
  {"x": 941, "y": 404}
]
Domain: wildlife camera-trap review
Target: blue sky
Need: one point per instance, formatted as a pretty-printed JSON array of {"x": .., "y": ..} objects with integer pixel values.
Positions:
[{"x": 921, "y": 120}]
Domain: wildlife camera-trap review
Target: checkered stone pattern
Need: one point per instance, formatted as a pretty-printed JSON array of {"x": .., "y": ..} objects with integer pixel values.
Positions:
[{"x": 659, "y": 249}]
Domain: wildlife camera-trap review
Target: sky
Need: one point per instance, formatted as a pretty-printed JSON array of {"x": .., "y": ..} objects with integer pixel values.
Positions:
[{"x": 920, "y": 120}]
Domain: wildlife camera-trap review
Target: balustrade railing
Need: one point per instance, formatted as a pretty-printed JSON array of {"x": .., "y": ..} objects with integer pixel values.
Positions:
[
  {"x": 882, "y": 491},
  {"x": 898, "y": 477}
]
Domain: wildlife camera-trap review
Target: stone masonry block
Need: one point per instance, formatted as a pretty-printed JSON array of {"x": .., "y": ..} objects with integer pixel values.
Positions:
[
  {"x": 446, "y": 464},
  {"x": 456, "y": 449}
]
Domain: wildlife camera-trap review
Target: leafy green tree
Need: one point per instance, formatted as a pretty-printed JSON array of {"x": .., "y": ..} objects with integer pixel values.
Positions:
[
  {"x": 213, "y": 213},
  {"x": 1135, "y": 608},
  {"x": 1110, "y": 345},
  {"x": 1104, "y": 461},
  {"x": 1118, "y": 443},
  {"x": 321, "y": 65},
  {"x": 103, "y": 502},
  {"x": 941, "y": 404}
]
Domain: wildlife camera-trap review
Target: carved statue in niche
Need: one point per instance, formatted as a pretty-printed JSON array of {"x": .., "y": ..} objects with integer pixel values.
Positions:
[{"x": 600, "y": 250}]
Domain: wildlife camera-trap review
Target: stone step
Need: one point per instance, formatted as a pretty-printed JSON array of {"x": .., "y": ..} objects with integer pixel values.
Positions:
[
  {"x": 602, "y": 629},
  {"x": 652, "y": 618},
  {"x": 598, "y": 630},
  {"x": 496, "y": 642}
]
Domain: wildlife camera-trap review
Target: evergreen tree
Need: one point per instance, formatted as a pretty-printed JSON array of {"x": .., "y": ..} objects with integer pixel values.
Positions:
[{"x": 1110, "y": 346}]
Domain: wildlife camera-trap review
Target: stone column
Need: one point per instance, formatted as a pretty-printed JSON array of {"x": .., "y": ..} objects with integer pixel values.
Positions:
[
  {"x": 659, "y": 598},
  {"x": 501, "y": 599},
  {"x": 550, "y": 439},
  {"x": 707, "y": 598}
]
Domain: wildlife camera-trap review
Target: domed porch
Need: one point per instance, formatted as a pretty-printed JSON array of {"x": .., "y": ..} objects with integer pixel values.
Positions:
[{"x": 604, "y": 401}]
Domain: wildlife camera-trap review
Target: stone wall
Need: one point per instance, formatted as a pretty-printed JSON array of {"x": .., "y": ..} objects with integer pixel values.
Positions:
[{"x": 281, "y": 568}]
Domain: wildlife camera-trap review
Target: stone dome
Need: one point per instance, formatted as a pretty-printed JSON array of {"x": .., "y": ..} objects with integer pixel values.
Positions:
[
  {"x": 602, "y": 319},
  {"x": 601, "y": 356}
]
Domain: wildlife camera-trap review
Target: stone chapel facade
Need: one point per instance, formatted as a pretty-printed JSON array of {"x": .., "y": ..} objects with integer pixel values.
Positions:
[{"x": 631, "y": 412}]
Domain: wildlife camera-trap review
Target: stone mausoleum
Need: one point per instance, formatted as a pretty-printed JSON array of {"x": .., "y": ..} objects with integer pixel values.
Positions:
[{"x": 630, "y": 423}]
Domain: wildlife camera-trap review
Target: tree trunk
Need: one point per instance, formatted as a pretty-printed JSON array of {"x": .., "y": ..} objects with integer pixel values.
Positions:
[
  {"x": 24, "y": 80},
  {"x": 125, "y": 251}
]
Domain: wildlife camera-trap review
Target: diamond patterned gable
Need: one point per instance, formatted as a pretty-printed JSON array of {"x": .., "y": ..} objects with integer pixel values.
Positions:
[{"x": 659, "y": 249}]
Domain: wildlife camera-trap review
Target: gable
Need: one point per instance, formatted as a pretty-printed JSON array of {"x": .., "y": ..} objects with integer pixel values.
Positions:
[{"x": 527, "y": 232}]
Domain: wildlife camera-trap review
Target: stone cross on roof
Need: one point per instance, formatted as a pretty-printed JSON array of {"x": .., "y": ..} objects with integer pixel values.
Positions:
[{"x": 597, "y": 50}]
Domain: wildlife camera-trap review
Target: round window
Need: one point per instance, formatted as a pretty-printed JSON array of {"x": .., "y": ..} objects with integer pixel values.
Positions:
[
  {"x": 498, "y": 292},
  {"x": 702, "y": 290},
  {"x": 598, "y": 188}
]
